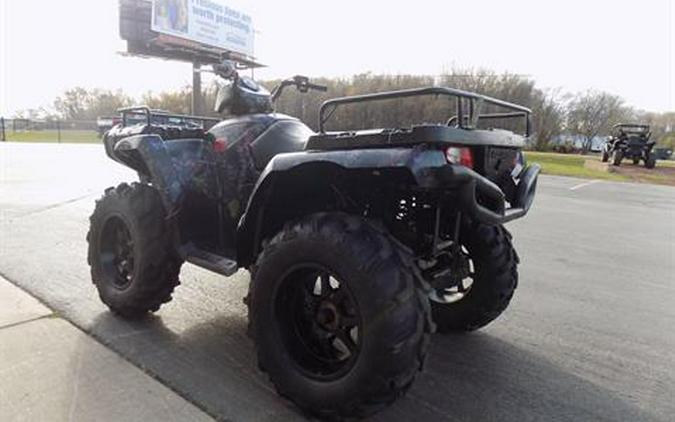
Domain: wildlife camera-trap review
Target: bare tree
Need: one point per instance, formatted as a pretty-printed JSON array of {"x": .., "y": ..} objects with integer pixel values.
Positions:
[
  {"x": 174, "y": 101},
  {"x": 82, "y": 104},
  {"x": 547, "y": 118},
  {"x": 662, "y": 126},
  {"x": 33, "y": 114},
  {"x": 593, "y": 113},
  {"x": 588, "y": 114}
]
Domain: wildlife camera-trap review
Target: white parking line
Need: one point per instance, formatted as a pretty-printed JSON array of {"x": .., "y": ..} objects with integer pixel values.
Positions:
[{"x": 581, "y": 185}]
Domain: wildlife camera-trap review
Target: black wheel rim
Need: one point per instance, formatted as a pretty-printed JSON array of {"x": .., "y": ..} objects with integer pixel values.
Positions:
[
  {"x": 467, "y": 275},
  {"x": 117, "y": 253},
  {"x": 319, "y": 321}
]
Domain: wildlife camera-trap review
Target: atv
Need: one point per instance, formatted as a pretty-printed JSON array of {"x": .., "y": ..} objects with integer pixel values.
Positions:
[
  {"x": 359, "y": 243},
  {"x": 630, "y": 141}
]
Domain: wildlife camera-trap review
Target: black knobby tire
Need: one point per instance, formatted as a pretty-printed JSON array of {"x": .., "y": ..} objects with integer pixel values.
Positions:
[
  {"x": 636, "y": 161},
  {"x": 650, "y": 162},
  {"x": 495, "y": 267},
  {"x": 605, "y": 156},
  {"x": 617, "y": 156},
  {"x": 387, "y": 293},
  {"x": 133, "y": 265}
]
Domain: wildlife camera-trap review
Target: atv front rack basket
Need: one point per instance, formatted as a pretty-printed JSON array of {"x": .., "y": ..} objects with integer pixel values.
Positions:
[
  {"x": 158, "y": 117},
  {"x": 632, "y": 129},
  {"x": 469, "y": 106}
]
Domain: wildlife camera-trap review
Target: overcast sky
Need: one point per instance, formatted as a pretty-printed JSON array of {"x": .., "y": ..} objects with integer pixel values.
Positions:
[{"x": 624, "y": 47}]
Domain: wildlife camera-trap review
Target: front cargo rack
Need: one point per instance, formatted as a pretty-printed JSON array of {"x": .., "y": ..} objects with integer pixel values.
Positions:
[
  {"x": 145, "y": 115},
  {"x": 469, "y": 106},
  {"x": 632, "y": 128}
]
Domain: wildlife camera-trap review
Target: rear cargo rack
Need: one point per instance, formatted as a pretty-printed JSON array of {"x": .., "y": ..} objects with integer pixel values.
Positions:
[
  {"x": 163, "y": 117},
  {"x": 469, "y": 106}
]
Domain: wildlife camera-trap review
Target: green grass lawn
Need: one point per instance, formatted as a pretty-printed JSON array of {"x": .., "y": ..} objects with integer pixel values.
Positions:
[
  {"x": 568, "y": 165},
  {"x": 665, "y": 163},
  {"x": 51, "y": 136}
]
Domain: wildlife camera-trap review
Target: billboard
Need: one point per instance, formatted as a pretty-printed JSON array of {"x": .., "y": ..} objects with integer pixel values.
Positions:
[{"x": 209, "y": 22}]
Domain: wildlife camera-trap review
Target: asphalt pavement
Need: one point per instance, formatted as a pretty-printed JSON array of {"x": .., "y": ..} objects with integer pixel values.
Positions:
[{"x": 589, "y": 335}]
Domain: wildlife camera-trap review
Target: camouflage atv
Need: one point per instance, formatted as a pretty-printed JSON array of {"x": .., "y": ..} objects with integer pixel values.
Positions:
[{"x": 359, "y": 243}]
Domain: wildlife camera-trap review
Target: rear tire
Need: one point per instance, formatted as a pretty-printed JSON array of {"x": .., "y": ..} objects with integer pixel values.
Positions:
[
  {"x": 384, "y": 293},
  {"x": 133, "y": 265},
  {"x": 650, "y": 162},
  {"x": 495, "y": 280}
]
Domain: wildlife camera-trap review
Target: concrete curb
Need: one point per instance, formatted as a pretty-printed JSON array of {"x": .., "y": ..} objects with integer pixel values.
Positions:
[{"x": 53, "y": 371}]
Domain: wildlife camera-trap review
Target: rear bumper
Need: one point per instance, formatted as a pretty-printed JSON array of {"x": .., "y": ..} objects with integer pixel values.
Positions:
[{"x": 484, "y": 200}]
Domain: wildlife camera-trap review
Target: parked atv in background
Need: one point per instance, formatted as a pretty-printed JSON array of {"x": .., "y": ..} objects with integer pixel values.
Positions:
[
  {"x": 359, "y": 243},
  {"x": 662, "y": 153},
  {"x": 629, "y": 141}
]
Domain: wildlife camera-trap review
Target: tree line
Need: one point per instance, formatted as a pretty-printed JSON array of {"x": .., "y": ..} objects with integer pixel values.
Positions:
[{"x": 584, "y": 115}]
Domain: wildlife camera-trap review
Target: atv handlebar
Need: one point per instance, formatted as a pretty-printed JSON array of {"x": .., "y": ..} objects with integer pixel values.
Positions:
[
  {"x": 301, "y": 83},
  {"x": 317, "y": 87}
]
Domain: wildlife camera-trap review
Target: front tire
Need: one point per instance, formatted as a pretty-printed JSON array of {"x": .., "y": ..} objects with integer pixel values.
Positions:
[
  {"x": 339, "y": 316},
  {"x": 494, "y": 280},
  {"x": 133, "y": 265},
  {"x": 605, "y": 156},
  {"x": 617, "y": 156}
]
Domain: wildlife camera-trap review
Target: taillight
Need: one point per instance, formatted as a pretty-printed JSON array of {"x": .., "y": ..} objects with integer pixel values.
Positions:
[
  {"x": 518, "y": 164},
  {"x": 459, "y": 155},
  {"x": 220, "y": 145}
]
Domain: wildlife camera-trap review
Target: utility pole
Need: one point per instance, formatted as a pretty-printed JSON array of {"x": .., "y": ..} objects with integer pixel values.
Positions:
[{"x": 196, "y": 89}]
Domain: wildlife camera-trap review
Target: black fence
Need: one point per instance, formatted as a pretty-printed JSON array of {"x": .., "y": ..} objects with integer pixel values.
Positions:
[{"x": 49, "y": 130}]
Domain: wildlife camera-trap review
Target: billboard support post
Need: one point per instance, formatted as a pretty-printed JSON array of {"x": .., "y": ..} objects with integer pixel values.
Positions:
[
  {"x": 2, "y": 126},
  {"x": 196, "y": 89}
]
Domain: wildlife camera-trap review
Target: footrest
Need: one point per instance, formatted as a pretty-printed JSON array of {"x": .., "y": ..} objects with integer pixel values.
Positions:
[{"x": 211, "y": 261}]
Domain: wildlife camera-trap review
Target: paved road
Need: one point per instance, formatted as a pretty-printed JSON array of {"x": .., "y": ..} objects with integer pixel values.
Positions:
[{"x": 590, "y": 334}]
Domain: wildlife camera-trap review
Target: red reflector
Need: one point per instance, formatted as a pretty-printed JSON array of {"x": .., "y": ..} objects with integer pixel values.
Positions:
[
  {"x": 460, "y": 155},
  {"x": 466, "y": 158}
]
